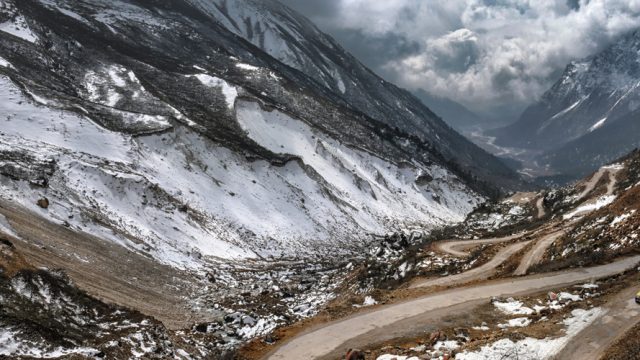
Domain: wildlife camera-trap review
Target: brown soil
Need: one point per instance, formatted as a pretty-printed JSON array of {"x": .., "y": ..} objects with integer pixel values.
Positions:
[
  {"x": 626, "y": 348},
  {"x": 103, "y": 269}
]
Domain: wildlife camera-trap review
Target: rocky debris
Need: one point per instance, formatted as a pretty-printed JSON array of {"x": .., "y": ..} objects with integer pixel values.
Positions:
[
  {"x": 354, "y": 354},
  {"x": 436, "y": 336},
  {"x": 43, "y": 203},
  {"x": 23, "y": 164}
]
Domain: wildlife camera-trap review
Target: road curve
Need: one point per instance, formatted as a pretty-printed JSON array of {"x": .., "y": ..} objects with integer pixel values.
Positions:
[
  {"x": 460, "y": 248},
  {"x": 480, "y": 273},
  {"x": 330, "y": 340},
  {"x": 536, "y": 253}
]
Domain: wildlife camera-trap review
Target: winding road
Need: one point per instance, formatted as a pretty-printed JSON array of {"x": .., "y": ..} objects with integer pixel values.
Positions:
[
  {"x": 593, "y": 181},
  {"x": 536, "y": 253},
  {"x": 460, "y": 248},
  {"x": 480, "y": 273},
  {"x": 331, "y": 340}
]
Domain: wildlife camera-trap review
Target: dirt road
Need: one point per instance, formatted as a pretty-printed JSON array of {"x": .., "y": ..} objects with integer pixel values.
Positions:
[
  {"x": 382, "y": 323},
  {"x": 591, "y": 183},
  {"x": 480, "y": 273},
  {"x": 460, "y": 248},
  {"x": 622, "y": 313},
  {"x": 540, "y": 207},
  {"x": 536, "y": 253}
]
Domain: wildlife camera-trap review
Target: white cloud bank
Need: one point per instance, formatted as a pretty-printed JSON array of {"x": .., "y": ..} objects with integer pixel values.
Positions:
[{"x": 485, "y": 53}]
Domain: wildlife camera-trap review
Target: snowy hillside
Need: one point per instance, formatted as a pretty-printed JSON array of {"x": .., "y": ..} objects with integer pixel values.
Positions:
[
  {"x": 296, "y": 42},
  {"x": 136, "y": 125},
  {"x": 588, "y": 117}
]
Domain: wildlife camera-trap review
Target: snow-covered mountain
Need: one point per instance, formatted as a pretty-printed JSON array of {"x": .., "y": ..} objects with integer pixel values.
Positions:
[
  {"x": 589, "y": 117},
  {"x": 156, "y": 125}
]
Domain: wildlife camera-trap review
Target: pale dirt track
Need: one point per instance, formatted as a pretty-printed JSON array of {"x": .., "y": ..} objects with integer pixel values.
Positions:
[
  {"x": 331, "y": 340},
  {"x": 593, "y": 181},
  {"x": 540, "y": 207},
  {"x": 622, "y": 313},
  {"x": 480, "y": 273},
  {"x": 536, "y": 253},
  {"x": 460, "y": 248}
]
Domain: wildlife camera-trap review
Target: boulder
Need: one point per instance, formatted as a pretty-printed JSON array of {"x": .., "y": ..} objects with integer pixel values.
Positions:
[{"x": 43, "y": 203}]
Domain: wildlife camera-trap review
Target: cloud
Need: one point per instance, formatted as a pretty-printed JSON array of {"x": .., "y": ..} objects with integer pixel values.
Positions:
[{"x": 486, "y": 54}]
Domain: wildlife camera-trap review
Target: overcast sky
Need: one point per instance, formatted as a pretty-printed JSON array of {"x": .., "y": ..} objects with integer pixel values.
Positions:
[{"x": 487, "y": 54}]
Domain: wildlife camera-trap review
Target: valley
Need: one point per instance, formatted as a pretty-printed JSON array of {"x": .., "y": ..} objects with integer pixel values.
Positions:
[{"x": 215, "y": 179}]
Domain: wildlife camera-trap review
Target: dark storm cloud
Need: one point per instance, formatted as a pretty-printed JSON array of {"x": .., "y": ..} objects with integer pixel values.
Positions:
[{"x": 486, "y": 54}]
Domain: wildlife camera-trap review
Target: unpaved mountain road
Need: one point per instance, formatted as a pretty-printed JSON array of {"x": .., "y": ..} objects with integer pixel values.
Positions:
[
  {"x": 480, "y": 273},
  {"x": 622, "y": 313},
  {"x": 460, "y": 248},
  {"x": 331, "y": 340},
  {"x": 612, "y": 171},
  {"x": 536, "y": 253},
  {"x": 540, "y": 208}
]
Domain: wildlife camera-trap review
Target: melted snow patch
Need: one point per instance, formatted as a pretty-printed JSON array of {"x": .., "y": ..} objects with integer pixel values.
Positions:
[
  {"x": 5, "y": 227},
  {"x": 18, "y": 27},
  {"x": 5, "y": 63},
  {"x": 247, "y": 67},
  {"x": 597, "y": 124},
  {"x": 230, "y": 92},
  {"x": 535, "y": 349},
  {"x": 621, "y": 218},
  {"x": 513, "y": 307},
  {"x": 517, "y": 322},
  {"x": 12, "y": 346},
  {"x": 587, "y": 208}
]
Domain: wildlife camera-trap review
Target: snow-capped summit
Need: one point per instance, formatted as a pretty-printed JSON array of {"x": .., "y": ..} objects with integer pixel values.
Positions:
[{"x": 586, "y": 118}]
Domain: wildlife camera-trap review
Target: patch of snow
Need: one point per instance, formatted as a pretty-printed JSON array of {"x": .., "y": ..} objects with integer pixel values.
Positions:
[
  {"x": 396, "y": 357},
  {"x": 535, "y": 349},
  {"x": 586, "y": 208},
  {"x": 513, "y": 307},
  {"x": 247, "y": 67},
  {"x": 588, "y": 286},
  {"x": 517, "y": 322},
  {"x": 5, "y": 63},
  {"x": 18, "y": 27},
  {"x": 563, "y": 296},
  {"x": 621, "y": 218},
  {"x": 12, "y": 346},
  {"x": 565, "y": 111},
  {"x": 598, "y": 124},
  {"x": 6, "y": 227},
  {"x": 230, "y": 92},
  {"x": 368, "y": 301}
]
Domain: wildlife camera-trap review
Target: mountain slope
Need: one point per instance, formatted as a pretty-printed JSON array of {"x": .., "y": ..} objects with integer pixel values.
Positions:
[
  {"x": 585, "y": 109},
  {"x": 453, "y": 113},
  {"x": 295, "y": 41},
  {"x": 153, "y": 125}
]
